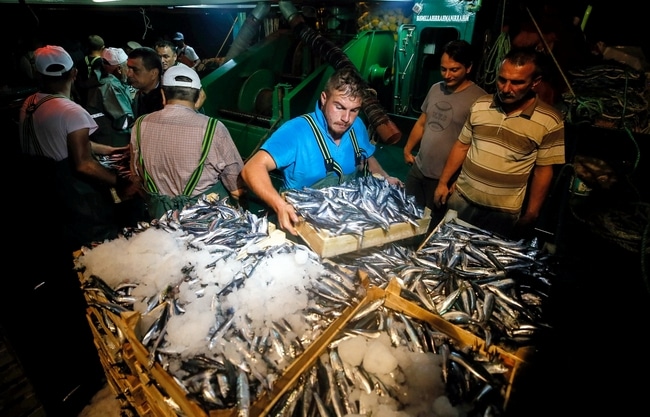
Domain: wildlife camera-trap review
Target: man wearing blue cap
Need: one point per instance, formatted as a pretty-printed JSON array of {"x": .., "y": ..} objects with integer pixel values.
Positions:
[{"x": 186, "y": 54}]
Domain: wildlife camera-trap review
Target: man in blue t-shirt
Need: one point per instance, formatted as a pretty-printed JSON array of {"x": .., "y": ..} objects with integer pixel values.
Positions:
[{"x": 323, "y": 148}]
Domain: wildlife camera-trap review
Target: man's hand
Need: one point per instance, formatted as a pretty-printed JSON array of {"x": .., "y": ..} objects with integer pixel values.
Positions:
[
  {"x": 527, "y": 220},
  {"x": 129, "y": 188},
  {"x": 288, "y": 218},
  {"x": 442, "y": 193},
  {"x": 395, "y": 181}
]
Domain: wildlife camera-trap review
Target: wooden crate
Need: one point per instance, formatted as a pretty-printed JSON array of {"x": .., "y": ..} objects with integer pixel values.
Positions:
[
  {"x": 164, "y": 382},
  {"x": 515, "y": 361},
  {"x": 391, "y": 300},
  {"x": 151, "y": 390},
  {"x": 327, "y": 246}
]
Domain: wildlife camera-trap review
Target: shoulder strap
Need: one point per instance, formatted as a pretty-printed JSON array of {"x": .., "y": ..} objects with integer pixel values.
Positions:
[
  {"x": 196, "y": 175},
  {"x": 330, "y": 163},
  {"x": 359, "y": 156},
  {"x": 149, "y": 184},
  {"x": 30, "y": 142},
  {"x": 205, "y": 149}
]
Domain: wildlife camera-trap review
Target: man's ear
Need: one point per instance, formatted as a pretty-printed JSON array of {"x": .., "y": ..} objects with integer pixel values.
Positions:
[
  {"x": 536, "y": 81},
  {"x": 323, "y": 98},
  {"x": 164, "y": 99}
]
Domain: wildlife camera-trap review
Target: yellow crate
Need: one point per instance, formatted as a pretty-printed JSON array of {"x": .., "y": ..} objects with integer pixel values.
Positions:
[
  {"x": 466, "y": 338},
  {"x": 137, "y": 356},
  {"x": 149, "y": 386},
  {"x": 515, "y": 361},
  {"x": 392, "y": 301},
  {"x": 327, "y": 246}
]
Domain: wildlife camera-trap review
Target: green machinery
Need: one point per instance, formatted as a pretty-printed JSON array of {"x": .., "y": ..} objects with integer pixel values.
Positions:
[{"x": 281, "y": 77}]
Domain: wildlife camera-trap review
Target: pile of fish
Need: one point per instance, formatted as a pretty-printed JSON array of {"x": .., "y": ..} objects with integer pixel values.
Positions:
[
  {"x": 386, "y": 363},
  {"x": 254, "y": 332},
  {"x": 223, "y": 267},
  {"x": 355, "y": 206},
  {"x": 118, "y": 161},
  {"x": 494, "y": 287}
]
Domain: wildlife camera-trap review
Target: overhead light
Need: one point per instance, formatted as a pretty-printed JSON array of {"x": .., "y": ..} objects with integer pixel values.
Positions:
[
  {"x": 104, "y": 1},
  {"x": 213, "y": 6}
]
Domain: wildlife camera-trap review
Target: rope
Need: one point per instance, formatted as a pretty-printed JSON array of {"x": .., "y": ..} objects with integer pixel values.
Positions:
[
  {"x": 550, "y": 52},
  {"x": 486, "y": 74},
  {"x": 227, "y": 36},
  {"x": 147, "y": 22},
  {"x": 627, "y": 130},
  {"x": 611, "y": 93}
]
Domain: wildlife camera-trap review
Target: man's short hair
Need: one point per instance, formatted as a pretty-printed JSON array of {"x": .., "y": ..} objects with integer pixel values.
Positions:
[
  {"x": 164, "y": 43},
  {"x": 347, "y": 80},
  {"x": 521, "y": 56},
  {"x": 460, "y": 51},
  {"x": 149, "y": 56},
  {"x": 95, "y": 43}
]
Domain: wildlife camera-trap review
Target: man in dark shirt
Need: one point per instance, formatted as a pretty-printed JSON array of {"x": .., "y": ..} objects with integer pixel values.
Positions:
[{"x": 144, "y": 74}]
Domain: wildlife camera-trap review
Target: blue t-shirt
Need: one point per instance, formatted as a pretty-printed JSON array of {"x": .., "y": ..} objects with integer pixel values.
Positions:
[{"x": 296, "y": 153}]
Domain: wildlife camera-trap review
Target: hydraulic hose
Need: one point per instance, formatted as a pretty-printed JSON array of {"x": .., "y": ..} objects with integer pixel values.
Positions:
[{"x": 249, "y": 30}]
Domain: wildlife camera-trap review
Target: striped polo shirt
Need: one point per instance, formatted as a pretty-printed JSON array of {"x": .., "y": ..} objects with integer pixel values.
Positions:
[{"x": 504, "y": 149}]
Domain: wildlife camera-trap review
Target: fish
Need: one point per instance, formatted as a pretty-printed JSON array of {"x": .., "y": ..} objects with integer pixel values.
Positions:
[
  {"x": 243, "y": 394},
  {"x": 358, "y": 205}
]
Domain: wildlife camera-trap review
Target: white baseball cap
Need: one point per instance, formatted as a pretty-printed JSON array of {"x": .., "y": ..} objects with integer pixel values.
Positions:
[
  {"x": 114, "y": 56},
  {"x": 181, "y": 76},
  {"x": 52, "y": 60},
  {"x": 133, "y": 44}
]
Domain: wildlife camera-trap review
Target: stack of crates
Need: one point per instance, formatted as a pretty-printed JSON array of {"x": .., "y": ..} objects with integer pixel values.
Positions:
[
  {"x": 151, "y": 391},
  {"x": 143, "y": 384}
]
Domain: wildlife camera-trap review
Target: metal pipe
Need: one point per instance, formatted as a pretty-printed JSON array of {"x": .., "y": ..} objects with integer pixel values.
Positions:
[{"x": 377, "y": 116}]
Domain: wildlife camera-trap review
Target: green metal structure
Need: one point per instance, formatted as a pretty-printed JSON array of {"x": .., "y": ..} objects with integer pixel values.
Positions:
[{"x": 282, "y": 76}]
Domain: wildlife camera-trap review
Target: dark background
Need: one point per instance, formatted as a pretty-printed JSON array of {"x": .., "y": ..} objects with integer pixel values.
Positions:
[
  {"x": 601, "y": 309},
  {"x": 207, "y": 29}
]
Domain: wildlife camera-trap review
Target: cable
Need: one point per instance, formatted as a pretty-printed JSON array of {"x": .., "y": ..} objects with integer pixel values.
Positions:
[{"x": 147, "y": 22}]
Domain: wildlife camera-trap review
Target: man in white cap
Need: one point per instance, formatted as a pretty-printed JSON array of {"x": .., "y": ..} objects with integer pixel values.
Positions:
[
  {"x": 114, "y": 60},
  {"x": 180, "y": 154},
  {"x": 131, "y": 45},
  {"x": 109, "y": 102},
  {"x": 186, "y": 54},
  {"x": 54, "y": 137}
]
